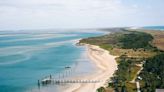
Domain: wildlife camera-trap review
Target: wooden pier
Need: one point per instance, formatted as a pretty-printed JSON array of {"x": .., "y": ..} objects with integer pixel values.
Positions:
[
  {"x": 49, "y": 81},
  {"x": 62, "y": 78}
]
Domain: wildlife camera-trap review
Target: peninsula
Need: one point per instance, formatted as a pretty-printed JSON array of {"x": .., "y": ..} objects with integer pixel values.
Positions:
[{"x": 140, "y": 59}]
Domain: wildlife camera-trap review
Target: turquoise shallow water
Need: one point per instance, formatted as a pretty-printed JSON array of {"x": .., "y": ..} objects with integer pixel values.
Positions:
[
  {"x": 154, "y": 27},
  {"x": 25, "y": 58}
]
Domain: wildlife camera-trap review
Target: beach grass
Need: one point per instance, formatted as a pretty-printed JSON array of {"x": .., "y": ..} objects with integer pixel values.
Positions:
[
  {"x": 158, "y": 39},
  {"x": 131, "y": 87},
  {"x": 133, "y": 72}
]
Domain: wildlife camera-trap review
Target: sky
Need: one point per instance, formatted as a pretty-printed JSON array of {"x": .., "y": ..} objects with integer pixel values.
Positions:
[{"x": 67, "y": 14}]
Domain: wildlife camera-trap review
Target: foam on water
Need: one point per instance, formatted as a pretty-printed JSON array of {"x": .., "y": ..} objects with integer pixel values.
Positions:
[
  {"x": 38, "y": 37},
  {"x": 10, "y": 60}
]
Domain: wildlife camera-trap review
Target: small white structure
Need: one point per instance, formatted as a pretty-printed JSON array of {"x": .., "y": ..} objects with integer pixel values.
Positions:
[{"x": 139, "y": 78}]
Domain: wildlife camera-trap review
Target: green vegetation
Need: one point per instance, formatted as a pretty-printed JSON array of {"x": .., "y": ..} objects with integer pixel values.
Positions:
[
  {"x": 127, "y": 70},
  {"x": 101, "y": 89},
  {"x": 133, "y": 47},
  {"x": 131, "y": 87},
  {"x": 153, "y": 73},
  {"x": 124, "y": 40},
  {"x": 136, "y": 40},
  {"x": 106, "y": 46}
]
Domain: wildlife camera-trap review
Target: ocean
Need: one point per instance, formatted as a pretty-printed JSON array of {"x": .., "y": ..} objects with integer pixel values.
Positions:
[
  {"x": 27, "y": 56},
  {"x": 154, "y": 27}
]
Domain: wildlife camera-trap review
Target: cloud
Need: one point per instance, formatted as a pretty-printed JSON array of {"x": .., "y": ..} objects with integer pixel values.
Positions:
[
  {"x": 24, "y": 14},
  {"x": 61, "y": 5}
]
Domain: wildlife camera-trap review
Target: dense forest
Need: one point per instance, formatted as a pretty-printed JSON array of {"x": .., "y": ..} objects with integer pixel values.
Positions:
[
  {"x": 135, "y": 40},
  {"x": 153, "y": 73}
]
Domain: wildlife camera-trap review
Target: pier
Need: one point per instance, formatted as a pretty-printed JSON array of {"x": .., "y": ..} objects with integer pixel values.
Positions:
[
  {"x": 50, "y": 80},
  {"x": 62, "y": 78}
]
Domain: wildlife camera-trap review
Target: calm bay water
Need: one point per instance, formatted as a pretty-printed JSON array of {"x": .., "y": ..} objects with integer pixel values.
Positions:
[{"x": 27, "y": 57}]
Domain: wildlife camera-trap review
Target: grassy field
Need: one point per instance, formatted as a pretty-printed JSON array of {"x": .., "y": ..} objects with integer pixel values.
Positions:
[
  {"x": 158, "y": 39},
  {"x": 131, "y": 87}
]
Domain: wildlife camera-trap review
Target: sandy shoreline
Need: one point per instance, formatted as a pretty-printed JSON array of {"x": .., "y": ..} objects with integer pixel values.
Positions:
[{"x": 106, "y": 65}]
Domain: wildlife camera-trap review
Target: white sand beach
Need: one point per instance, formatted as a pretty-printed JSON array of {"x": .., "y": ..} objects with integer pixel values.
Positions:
[{"x": 106, "y": 66}]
